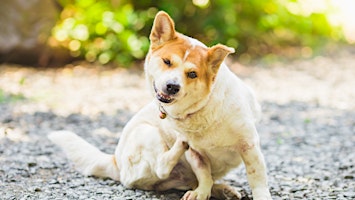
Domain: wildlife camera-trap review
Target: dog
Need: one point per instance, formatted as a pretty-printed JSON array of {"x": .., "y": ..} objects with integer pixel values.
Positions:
[{"x": 199, "y": 126}]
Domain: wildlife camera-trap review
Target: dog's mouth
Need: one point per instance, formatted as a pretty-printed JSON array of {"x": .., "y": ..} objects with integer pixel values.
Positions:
[{"x": 161, "y": 96}]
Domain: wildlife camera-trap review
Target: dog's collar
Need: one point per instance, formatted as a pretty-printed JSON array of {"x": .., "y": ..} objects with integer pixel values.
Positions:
[{"x": 163, "y": 114}]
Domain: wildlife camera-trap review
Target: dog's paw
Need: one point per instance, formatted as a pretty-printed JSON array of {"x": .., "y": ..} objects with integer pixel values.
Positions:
[
  {"x": 231, "y": 193},
  {"x": 185, "y": 145},
  {"x": 182, "y": 145},
  {"x": 222, "y": 191},
  {"x": 262, "y": 195},
  {"x": 195, "y": 195}
]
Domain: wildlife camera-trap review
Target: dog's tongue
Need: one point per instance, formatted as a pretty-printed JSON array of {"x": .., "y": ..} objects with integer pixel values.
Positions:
[{"x": 164, "y": 95}]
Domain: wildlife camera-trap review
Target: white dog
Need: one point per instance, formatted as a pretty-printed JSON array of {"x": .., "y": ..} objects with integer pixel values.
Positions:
[{"x": 200, "y": 125}]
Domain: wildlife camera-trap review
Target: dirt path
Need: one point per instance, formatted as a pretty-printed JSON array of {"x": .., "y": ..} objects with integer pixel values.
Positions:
[{"x": 307, "y": 131}]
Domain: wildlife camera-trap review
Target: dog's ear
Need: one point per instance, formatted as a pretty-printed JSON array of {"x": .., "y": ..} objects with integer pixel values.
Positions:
[
  {"x": 217, "y": 54},
  {"x": 163, "y": 29}
]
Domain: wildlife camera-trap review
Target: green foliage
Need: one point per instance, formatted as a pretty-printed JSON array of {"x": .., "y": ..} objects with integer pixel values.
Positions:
[
  {"x": 254, "y": 27},
  {"x": 5, "y": 98},
  {"x": 101, "y": 31},
  {"x": 118, "y": 31}
]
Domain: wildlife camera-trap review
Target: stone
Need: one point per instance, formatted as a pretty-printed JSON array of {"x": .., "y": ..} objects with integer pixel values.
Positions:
[{"x": 25, "y": 28}]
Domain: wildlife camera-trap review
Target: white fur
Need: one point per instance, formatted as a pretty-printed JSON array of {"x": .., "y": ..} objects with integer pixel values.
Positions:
[{"x": 187, "y": 52}]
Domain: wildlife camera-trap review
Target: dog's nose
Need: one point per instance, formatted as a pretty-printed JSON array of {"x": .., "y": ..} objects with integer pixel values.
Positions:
[{"x": 172, "y": 88}]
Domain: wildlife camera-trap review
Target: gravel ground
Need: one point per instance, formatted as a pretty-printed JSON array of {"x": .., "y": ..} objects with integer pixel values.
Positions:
[{"x": 307, "y": 131}]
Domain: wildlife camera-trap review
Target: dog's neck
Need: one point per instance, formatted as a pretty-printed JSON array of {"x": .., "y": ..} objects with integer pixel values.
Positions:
[
  {"x": 181, "y": 113},
  {"x": 179, "y": 117}
]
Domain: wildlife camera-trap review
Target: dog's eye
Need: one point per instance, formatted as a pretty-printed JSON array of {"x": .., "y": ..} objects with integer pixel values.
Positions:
[
  {"x": 192, "y": 75},
  {"x": 167, "y": 62}
]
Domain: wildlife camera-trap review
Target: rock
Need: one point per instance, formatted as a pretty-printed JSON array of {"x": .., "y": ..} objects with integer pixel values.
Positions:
[
  {"x": 31, "y": 164},
  {"x": 25, "y": 27},
  {"x": 349, "y": 194},
  {"x": 350, "y": 176}
]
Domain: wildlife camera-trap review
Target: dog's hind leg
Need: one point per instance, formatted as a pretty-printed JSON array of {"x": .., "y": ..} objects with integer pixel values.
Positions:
[
  {"x": 144, "y": 158},
  {"x": 168, "y": 160},
  {"x": 173, "y": 173}
]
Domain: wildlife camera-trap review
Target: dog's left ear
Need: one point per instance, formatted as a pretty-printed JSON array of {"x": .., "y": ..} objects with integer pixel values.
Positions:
[
  {"x": 163, "y": 29},
  {"x": 217, "y": 54}
]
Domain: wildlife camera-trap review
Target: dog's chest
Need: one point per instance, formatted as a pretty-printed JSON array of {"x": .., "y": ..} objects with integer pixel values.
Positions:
[
  {"x": 219, "y": 144},
  {"x": 205, "y": 132},
  {"x": 213, "y": 132}
]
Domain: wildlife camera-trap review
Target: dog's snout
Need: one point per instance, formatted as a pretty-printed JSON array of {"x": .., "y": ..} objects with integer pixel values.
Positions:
[{"x": 172, "y": 88}]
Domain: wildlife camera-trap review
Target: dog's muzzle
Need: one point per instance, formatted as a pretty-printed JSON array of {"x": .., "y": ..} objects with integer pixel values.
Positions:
[{"x": 166, "y": 96}]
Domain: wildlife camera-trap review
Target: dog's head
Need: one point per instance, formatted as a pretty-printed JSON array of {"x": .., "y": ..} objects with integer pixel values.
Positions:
[{"x": 181, "y": 70}]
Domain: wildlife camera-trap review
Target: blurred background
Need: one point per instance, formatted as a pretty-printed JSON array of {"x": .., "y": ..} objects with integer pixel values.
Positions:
[
  {"x": 56, "y": 32},
  {"x": 77, "y": 65}
]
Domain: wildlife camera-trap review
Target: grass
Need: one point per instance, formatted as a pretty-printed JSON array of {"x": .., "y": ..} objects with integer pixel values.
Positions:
[{"x": 8, "y": 98}]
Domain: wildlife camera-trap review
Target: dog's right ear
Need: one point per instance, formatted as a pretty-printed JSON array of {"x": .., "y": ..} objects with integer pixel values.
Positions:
[
  {"x": 217, "y": 54},
  {"x": 163, "y": 30}
]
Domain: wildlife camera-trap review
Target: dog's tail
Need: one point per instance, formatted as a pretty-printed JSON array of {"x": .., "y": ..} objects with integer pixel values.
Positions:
[{"x": 88, "y": 159}]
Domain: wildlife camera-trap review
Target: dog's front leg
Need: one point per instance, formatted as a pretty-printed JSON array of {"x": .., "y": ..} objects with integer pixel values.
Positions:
[
  {"x": 201, "y": 167},
  {"x": 255, "y": 167}
]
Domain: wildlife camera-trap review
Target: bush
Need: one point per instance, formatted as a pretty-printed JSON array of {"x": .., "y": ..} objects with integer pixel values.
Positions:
[
  {"x": 118, "y": 31},
  {"x": 102, "y": 31}
]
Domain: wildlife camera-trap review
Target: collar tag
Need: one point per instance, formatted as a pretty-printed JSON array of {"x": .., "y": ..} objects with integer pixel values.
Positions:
[{"x": 162, "y": 113}]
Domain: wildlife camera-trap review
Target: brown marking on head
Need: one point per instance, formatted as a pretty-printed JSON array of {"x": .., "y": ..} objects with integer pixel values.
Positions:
[
  {"x": 207, "y": 60},
  {"x": 177, "y": 47},
  {"x": 173, "y": 52}
]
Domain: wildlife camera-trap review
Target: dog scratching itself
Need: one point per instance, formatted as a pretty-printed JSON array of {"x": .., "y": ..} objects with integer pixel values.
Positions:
[{"x": 199, "y": 125}]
